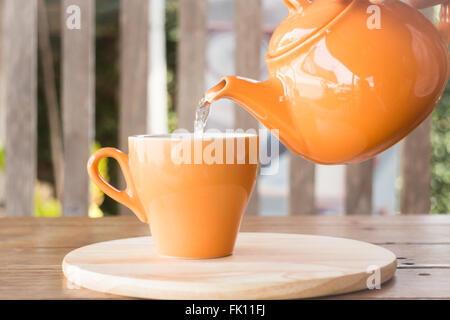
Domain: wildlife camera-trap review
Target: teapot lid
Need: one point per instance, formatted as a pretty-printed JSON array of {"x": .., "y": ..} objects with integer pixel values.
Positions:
[{"x": 304, "y": 19}]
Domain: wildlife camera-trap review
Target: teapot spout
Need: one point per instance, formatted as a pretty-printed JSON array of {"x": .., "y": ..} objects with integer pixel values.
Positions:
[{"x": 260, "y": 99}]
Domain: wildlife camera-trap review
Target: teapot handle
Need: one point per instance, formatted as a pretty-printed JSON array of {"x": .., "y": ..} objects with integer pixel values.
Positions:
[
  {"x": 444, "y": 22},
  {"x": 444, "y": 15},
  {"x": 297, "y": 5},
  {"x": 422, "y": 4}
]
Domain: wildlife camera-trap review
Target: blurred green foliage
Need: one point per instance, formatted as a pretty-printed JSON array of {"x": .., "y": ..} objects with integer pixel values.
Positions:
[
  {"x": 97, "y": 196},
  {"x": 2, "y": 159},
  {"x": 107, "y": 57},
  {"x": 440, "y": 164},
  {"x": 45, "y": 205},
  {"x": 171, "y": 57}
]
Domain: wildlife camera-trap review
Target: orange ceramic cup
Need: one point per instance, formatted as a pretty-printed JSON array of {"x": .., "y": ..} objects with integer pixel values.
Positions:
[{"x": 191, "y": 190}]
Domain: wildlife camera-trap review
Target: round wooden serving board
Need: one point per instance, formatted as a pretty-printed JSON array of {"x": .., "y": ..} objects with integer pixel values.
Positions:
[{"x": 263, "y": 266}]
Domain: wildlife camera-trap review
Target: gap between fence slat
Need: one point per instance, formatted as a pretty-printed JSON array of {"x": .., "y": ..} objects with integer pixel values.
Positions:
[{"x": 51, "y": 97}]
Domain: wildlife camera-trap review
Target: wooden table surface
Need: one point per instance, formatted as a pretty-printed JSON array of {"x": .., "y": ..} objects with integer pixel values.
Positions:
[{"x": 31, "y": 250}]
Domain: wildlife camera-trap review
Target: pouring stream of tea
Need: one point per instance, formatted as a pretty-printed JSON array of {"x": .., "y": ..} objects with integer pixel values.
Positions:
[{"x": 201, "y": 116}]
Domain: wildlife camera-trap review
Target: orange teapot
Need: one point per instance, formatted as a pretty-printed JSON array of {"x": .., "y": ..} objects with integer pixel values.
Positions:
[{"x": 347, "y": 79}]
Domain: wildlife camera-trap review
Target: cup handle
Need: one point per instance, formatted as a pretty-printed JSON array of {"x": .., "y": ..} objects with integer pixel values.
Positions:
[{"x": 127, "y": 197}]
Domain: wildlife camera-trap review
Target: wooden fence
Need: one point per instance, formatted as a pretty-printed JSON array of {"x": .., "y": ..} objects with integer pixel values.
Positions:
[{"x": 18, "y": 70}]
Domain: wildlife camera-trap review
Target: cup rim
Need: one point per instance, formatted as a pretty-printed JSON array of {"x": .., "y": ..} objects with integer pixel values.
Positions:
[{"x": 190, "y": 135}]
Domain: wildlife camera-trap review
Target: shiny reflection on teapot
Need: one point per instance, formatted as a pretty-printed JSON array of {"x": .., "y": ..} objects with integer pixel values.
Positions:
[{"x": 338, "y": 90}]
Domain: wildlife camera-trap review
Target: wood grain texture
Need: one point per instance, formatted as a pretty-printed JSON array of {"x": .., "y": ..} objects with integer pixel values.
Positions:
[
  {"x": 2, "y": 117},
  {"x": 418, "y": 256},
  {"x": 409, "y": 284},
  {"x": 2, "y": 104},
  {"x": 134, "y": 68},
  {"x": 31, "y": 250},
  {"x": 416, "y": 170},
  {"x": 301, "y": 186},
  {"x": 415, "y": 197},
  {"x": 263, "y": 266},
  {"x": 78, "y": 90},
  {"x": 134, "y": 74},
  {"x": 19, "y": 68},
  {"x": 358, "y": 188},
  {"x": 248, "y": 35},
  {"x": 191, "y": 59},
  {"x": 47, "y": 282}
]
